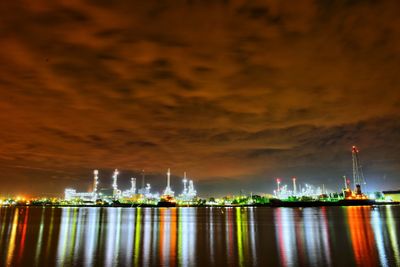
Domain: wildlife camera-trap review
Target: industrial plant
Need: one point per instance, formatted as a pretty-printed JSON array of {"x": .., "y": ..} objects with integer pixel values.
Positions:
[
  {"x": 132, "y": 195},
  {"x": 308, "y": 192},
  {"x": 296, "y": 194}
]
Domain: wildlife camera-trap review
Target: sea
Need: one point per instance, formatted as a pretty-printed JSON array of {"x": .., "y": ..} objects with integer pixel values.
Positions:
[{"x": 209, "y": 236}]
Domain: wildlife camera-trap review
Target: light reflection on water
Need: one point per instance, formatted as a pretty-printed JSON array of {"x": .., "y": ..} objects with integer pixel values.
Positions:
[{"x": 352, "y": 236}]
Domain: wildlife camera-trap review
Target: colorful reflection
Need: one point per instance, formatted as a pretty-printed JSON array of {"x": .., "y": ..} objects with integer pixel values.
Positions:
[
  {"x": 392, "y": 226},
  {"x": 240, "y": 236},
  {"x": 285, "y": 234},
  {"x": 316, "y": 235},
  {"x": 302, "y": 237},
  {"x": 13, "y": 239},
  {"x": 93, "y": 236},
  {"x": 186, "y": 236},
  {"x": 362, "y": 236}
]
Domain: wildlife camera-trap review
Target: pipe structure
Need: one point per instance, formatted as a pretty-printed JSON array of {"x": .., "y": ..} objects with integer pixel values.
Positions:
[
  {"x": 115, "y": 184},
  {"x": 294, "y": 186},
  {"x": 133, "y": 185},
  {"x": 95, "y": 181}
]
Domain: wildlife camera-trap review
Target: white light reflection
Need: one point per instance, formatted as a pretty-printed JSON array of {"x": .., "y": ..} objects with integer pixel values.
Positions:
[
  {"x": 91, "y": 233},
  {"x": 317, "y": 237},
  {"x": 63, "y": 236},
  {"x": 165, "y": 231},
  {"x": 113, "y": 236},
  {"x": 187, "y": 236},
  {"x": 252, "y": 235},
  {"x": 147, "y": 236},
  {"x": 78, "y": 234},
  {"x": 326, "y": 249},
  {"x": 285, "y": 234},
  {"x": 211, "y": 235},
  {"x": 192, "y": 230},
  {"x": 377, "y": 228},
  {"x": 312, "y": 236},
  {"x": 229, "y": 234},
  {"x": 129, "y": 236},
  {"x": 154, "y": 235}
]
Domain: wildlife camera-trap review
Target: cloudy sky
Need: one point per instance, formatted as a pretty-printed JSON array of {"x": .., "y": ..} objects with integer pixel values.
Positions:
[{"x": 233, "y": 92}]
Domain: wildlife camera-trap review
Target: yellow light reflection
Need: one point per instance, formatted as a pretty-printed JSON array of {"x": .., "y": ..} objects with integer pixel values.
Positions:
[
  {"x": 239, "y": 235},
  {"x": 40, "y": 239},
  {"x": 394, "y": 238},
  {"x": 3, "y": 224},
  {"x": 137, "y": 236},
  {"x": 11, "y": 243}
]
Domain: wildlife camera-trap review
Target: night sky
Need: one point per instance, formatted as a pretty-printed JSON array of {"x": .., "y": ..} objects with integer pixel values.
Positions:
[{"x": 233, "y": 92}]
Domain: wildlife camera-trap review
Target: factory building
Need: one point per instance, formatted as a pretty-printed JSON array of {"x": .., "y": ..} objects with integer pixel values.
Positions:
[
  {"x": 392, "y": 195},
  {"x": 116, "y": 194}
]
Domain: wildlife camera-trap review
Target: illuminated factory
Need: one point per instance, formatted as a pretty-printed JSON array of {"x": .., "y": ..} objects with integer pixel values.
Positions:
[
  {"x": 189, "y": 192},
  {"x": 283, "y": 192},
  {"x": 115, "y": 194},
  {"x": 358, "y": 178}
]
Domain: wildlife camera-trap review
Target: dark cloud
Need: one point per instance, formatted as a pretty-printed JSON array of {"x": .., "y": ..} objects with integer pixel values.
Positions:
[{"x": 233, "y": 92}]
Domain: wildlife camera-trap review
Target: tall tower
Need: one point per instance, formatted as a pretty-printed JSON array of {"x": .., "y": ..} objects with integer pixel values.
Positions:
[
  {"x": 294, "y": 186},
  {"x": 95, "y": 184},
  {"x": 358, "y": 176},
  {"x": 115, "y": 184},
  {"x": 95, "y": 181},
  {"x": 184, "y": 183},
  {"x": 168, "y": 191},
  {"x": 133, "y": 185},
  {"x": 143, "y": 182},
  {"x": 345, "y": 181},
  {"x": 278, "y": 182},
  {"x": 168, "y": 178},
  {"x": 191, "y": 191}
]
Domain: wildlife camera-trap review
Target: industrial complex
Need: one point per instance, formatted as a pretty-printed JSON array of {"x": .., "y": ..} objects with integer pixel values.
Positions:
[
  {"x": 132, "y": 195},
  {"x": 298, "y": 194}
]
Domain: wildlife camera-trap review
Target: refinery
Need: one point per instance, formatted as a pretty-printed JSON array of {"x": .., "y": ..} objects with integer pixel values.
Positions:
[
  {"x": 296, "y": 195},
  {"x": 144, "y": 195}
]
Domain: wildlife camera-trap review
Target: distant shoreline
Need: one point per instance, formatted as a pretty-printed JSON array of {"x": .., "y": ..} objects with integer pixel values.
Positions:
[{"x": 274, "y": 204}]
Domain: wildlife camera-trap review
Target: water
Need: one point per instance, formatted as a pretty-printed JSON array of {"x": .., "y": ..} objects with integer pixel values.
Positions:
[{"x": 335, "y": 236}]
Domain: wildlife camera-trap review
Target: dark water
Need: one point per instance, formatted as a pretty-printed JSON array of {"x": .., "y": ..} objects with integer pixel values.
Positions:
[{"x": 335, "y": 236}]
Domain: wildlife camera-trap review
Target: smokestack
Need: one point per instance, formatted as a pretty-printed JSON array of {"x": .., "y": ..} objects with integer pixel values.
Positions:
[
  {"x": 184, "y": 182},
  {"x": 278, "y": 182},
  {"x": 115, "y": 184},
  {"x": 168, "y": 178},
  {"x": 143, "y": 184},
  {"x": 95, "y": 181},
  {"x": 133, "y": 185},
  {"x": 294, "y": 186}
]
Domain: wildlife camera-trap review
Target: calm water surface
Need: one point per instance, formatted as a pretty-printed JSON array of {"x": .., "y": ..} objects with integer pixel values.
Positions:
[{"x": 335, "y": 236}]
